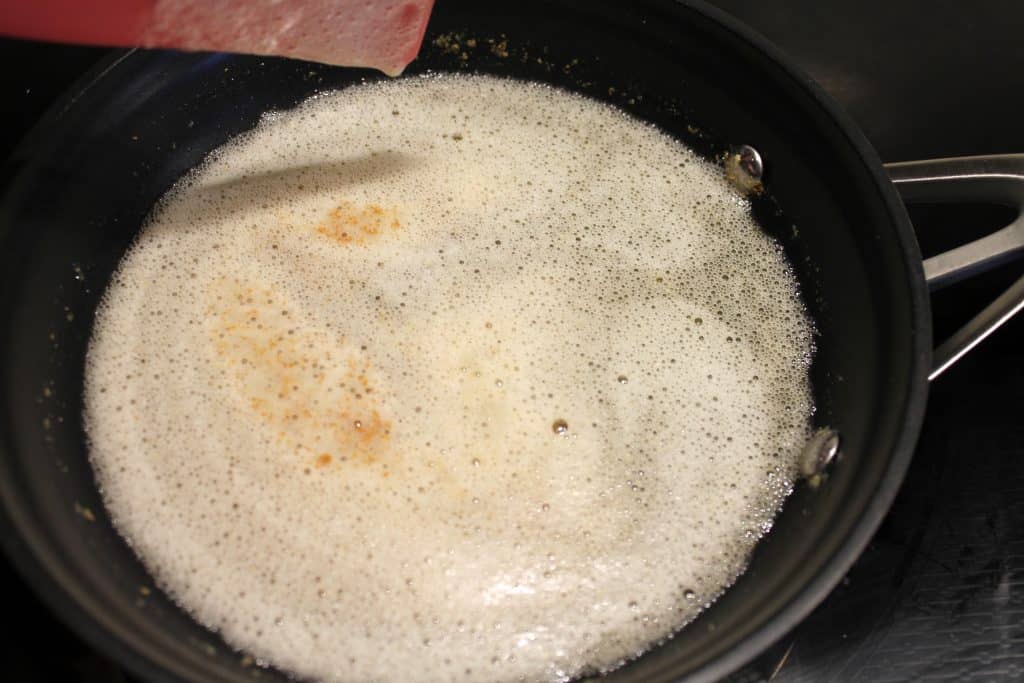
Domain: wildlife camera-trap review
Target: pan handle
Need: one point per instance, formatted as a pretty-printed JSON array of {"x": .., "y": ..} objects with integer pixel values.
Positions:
[{"x": 996, "y": 179}]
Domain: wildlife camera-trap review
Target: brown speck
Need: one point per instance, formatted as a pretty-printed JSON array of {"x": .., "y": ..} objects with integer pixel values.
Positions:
[
  {"x": 348, "y": 224},
  {"x": 560, "y": 426},
  {"x": 84, "y": 512}
]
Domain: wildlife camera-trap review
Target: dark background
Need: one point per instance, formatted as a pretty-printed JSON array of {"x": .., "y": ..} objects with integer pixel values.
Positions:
[{"x": 939, "y": 594}]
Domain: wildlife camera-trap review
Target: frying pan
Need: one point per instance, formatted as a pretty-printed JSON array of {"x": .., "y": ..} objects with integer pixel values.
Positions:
[{"x": 82, "y": 183}]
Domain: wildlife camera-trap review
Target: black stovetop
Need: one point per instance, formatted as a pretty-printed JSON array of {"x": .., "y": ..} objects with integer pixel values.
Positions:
[{"x": 939, "y": 594}]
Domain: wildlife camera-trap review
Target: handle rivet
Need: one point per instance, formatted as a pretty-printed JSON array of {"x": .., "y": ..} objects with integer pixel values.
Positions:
[
  {"x": 744, "y": 169},
  {"x": 818, "y": 454}
]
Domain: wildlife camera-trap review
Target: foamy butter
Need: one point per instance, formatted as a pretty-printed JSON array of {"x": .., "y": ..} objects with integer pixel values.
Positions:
[{"x": 450, "y": 378}]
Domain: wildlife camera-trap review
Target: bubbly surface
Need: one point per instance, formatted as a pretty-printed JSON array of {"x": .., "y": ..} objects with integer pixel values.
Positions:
[{"x": 448, "y": 378}]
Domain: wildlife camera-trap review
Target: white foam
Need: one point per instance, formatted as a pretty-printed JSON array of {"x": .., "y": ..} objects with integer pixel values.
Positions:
[{"x": 324, "y": 387}]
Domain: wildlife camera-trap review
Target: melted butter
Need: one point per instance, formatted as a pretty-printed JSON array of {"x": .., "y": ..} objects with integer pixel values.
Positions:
[{"x": 511, "y": 403}]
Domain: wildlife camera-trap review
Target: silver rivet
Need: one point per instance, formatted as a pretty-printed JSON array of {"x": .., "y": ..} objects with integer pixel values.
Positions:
[
  {"x": 820, "y": 451},
  {"x": 744, "y": 168}
]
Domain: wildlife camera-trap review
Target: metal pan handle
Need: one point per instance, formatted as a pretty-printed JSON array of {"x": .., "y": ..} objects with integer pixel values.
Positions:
[{"x": 997, "y": 179}]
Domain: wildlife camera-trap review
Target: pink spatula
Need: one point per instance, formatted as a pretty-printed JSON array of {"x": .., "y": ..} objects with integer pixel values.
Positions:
[{"x": 382, "y": 34}]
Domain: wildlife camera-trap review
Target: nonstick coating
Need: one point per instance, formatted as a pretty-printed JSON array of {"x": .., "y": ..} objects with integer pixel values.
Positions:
[{"x": 80, "y": 186}]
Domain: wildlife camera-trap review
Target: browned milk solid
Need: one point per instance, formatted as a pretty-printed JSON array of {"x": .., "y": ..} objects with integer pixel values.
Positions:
[{"x": 449, "y": 378}]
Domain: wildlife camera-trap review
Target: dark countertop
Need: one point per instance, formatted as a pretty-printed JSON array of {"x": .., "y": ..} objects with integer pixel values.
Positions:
[{"x": 938, "y": 595}]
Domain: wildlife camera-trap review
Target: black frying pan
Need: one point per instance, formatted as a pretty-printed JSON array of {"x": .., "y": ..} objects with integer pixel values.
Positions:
[{"x": 80, "y": 186}]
